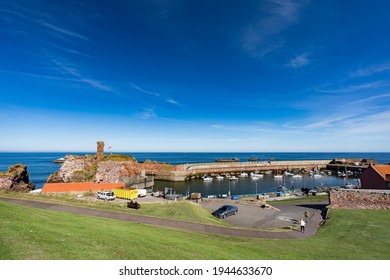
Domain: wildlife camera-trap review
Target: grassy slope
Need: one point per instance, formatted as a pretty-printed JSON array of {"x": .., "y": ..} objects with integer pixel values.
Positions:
[{"x": 29, "y": 233}]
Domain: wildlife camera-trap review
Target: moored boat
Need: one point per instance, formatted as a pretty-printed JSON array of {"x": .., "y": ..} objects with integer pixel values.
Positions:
[{"x": 59, "y": 160}]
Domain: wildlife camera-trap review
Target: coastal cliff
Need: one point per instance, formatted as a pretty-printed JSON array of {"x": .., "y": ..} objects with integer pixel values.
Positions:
[{"x": 16, "y": 179}]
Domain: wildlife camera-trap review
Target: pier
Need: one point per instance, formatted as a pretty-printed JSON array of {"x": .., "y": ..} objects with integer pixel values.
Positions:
[{"x": 185, "y": 172}]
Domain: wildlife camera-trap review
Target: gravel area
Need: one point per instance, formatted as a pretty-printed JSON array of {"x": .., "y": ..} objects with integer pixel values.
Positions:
[{"x": 252, "y": 215}]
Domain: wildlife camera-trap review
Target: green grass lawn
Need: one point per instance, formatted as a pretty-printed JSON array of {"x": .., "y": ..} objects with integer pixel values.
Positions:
[{"x": 30, "y": 233}]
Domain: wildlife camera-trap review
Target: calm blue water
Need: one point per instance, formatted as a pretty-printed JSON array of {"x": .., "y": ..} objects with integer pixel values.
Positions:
[{"x": 40, "y": 166}]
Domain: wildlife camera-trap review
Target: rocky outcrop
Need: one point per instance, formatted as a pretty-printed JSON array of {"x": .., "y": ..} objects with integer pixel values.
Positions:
[
  {"x": 102, "y": 168},
  {"x": 109, "y": 169},
  {"x": 75, "y": 169},
  {"x": 16, "y": 178}
]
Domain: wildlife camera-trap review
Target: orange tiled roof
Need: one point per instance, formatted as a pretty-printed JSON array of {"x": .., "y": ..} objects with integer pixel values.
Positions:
[
  {"x": 79, "y": 187},
  {"x": 383, "y": 170}
]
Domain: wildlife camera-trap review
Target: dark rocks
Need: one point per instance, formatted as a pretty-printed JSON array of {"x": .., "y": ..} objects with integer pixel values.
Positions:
[{"x": 16, "y": 178}]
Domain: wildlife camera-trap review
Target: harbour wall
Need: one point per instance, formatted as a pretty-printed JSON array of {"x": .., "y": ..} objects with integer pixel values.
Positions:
[{"x": 188, "y": 171}]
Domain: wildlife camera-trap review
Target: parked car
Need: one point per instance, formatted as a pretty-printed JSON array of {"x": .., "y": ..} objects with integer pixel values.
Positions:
[
  {"x": 141, "y": 192},
  {"x": 225, "y": 211},
  {"x": 106, "y": 195}
]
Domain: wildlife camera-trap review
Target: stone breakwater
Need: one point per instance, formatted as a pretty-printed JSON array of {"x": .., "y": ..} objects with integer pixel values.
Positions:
[
  {"x": 360, "y": 199},
  {"x": 188, "y": 171}
]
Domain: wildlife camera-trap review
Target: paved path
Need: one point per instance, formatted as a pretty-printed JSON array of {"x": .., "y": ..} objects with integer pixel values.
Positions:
[{"x": 311, "y": 227}]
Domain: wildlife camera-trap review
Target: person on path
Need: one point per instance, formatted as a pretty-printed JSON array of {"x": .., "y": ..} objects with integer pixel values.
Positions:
[
  {"x": 306, "y": 216},
  {"x": 303, "y": 224}
]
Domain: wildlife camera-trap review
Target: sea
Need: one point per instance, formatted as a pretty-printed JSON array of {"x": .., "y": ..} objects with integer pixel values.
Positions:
[{"x": 41, "y": 165}]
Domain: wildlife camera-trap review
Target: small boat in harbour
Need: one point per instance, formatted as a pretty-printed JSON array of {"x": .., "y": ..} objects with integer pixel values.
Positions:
[
  {"x": 233, "y": 178},
  {"x": 219, "y": 177},
  {"x": 207, "y": 179},
  {"x": 256, "y": 175}
]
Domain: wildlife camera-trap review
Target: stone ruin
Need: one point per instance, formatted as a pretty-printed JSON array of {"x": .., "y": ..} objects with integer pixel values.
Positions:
[{"x": 100, "y": 150}]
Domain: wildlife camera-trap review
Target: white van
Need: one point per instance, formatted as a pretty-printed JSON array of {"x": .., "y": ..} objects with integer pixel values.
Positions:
[
  {"x": 106, "y": 195},
  {"x": 141, "y": 192}
]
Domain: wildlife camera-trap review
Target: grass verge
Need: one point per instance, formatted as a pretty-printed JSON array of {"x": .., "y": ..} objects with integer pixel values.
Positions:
[{"x": 30, "y": 234}]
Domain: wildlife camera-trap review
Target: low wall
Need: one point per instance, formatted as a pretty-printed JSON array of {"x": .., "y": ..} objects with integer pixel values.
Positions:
[{"x": 359, "y": 198}]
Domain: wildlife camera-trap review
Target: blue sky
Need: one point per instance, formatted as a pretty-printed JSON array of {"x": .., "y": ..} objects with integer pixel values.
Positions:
[{"x": 193, "y": 76}]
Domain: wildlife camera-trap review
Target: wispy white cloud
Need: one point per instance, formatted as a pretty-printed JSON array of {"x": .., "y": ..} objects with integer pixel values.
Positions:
[
  {"x": 146, "y": 114},
  {"x": 255, "y": 127},
  {"x": 40, "y": 23},
  {"x": 75, "y": 73},
  {"x": 355, "y": 117},
  {"x": 172, "y": 101},
  {"x": 375, "y": 69},
  {"x": 365, "y": 101},
  {"x": 138, "y": 88},
  {"x": 354, "y": 88},
  {"x": 63, "y": 31},
  {"x": 262, "y": 36},
  {"x": 299, "y": 61},
  {"x": 156, "y": 94}
]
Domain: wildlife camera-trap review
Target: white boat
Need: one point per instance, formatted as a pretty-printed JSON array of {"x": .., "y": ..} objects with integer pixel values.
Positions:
[
  {"x": 329, "y": 173},
  {"x": 297, "y": 176},
  {"x": 219, "y": 177},
  {"x": 317, "y": 175},
  {"x": 254, "y": 175},
  {"x": 349, "y": 186},
  {"x": 59, "y": 160},
  {"x": 277, "y": 176},
  {"x": 207, "y": 179},
  {"x": 243, "y": 175},
  {"x": 233, "y": 178}
]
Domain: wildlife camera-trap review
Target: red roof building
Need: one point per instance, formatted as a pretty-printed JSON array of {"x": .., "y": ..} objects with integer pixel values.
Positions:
[
  {"x": 79, "y": 187},
  {"x": 376, "y": 177}
]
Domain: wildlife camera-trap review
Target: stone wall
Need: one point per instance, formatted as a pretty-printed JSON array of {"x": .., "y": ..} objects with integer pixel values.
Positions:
[
  {"x": 113, "y": 171},
  {"x": 359, "y": 198}
]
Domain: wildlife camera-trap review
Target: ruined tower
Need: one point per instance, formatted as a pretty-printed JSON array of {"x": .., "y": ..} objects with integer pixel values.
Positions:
[{"x": 100, "y": 150}]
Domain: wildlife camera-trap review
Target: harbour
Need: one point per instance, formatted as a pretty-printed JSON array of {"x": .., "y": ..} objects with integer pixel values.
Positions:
[
  {"x": 40, "y": 166},
  {"x": 266, "y": 184}
]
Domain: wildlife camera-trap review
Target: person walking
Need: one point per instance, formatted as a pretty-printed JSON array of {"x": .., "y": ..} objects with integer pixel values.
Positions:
[{"x": 303, "y": 224}]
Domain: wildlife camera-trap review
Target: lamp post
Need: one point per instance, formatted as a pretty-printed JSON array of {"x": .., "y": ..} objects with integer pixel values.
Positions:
[
  {"x": 229, "y": 189},
  {"x": 256, "y": 190}
]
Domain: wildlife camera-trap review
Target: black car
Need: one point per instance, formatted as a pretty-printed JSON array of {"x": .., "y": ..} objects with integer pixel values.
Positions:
[{"x": 225, "y": 211}]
